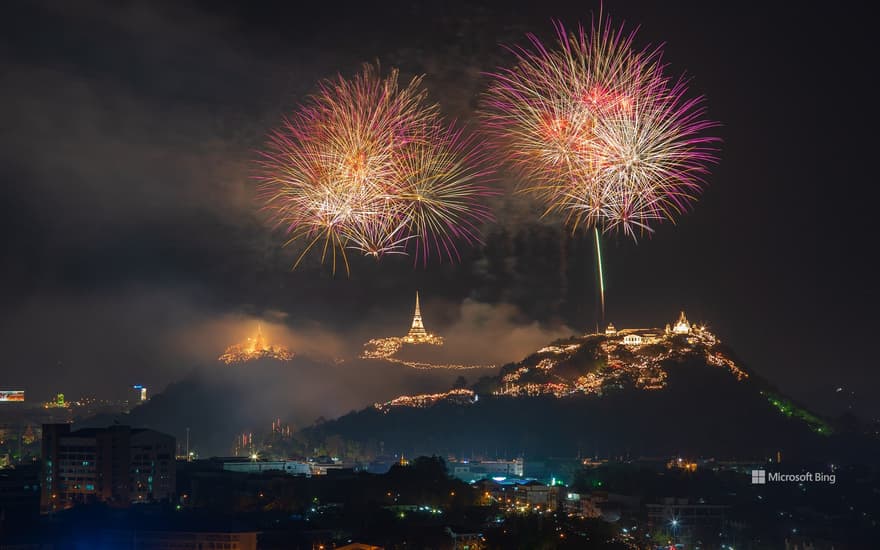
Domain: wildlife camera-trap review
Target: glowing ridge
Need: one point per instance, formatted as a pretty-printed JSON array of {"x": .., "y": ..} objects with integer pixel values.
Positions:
[{"x": 461, "y": 396}]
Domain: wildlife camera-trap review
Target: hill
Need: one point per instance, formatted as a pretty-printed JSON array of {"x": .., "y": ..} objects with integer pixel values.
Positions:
[{"x": 629, "y": 393}]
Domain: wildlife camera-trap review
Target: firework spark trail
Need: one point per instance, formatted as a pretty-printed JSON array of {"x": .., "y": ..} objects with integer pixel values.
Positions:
[
  {"x": 601, "y": 279},
  {"x": 369, "y": 166}
]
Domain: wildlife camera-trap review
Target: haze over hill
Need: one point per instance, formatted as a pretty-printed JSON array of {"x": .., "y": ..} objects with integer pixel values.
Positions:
[
  {"x": 633, "y": 391},
  {"x": 219, "y": 401}
]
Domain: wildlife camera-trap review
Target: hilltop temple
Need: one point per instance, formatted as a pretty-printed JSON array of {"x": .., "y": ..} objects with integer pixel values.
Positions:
[
  {"x": 255, "y": 348},
  {"x": 682, "y": 326}
]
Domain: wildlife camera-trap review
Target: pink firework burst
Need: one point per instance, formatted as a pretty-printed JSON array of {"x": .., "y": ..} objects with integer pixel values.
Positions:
[
  {"x": 598, "y": 132},
  {"x": 368, "y": 165}
]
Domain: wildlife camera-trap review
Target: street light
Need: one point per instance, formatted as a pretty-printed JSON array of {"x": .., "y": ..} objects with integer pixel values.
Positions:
[{"x": 674, "y": 523}]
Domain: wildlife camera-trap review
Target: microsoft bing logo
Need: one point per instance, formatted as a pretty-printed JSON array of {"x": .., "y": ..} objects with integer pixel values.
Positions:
[{"x": 759, "y": 477}]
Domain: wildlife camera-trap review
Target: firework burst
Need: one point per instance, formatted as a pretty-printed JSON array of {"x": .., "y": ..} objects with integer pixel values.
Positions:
[
  {"x": 368, "y": 165},
  {"x": 599, "y": 133}
]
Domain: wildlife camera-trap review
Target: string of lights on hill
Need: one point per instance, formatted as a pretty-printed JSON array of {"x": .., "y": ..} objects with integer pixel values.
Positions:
[
  {"x": 595, "y": 363},
  {"x": 586, "y": 365}
]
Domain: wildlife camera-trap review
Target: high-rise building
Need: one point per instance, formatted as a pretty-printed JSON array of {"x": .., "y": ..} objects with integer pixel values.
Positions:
[
  {"x": 117, "y": 465},
  {"x": 19, "y": 496},
  {"x": 141, "y": 391}
]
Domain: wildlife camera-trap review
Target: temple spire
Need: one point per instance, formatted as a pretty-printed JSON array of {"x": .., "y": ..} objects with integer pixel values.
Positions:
[
  {"x": 417, "y": 331},
  {"x": 259, "y": 341},
  {"x": 682, "y": 326}
]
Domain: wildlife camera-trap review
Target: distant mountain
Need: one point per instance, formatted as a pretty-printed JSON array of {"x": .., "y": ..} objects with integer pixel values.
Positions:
[
  {"x": 219, "y": 402},
  {"x": 636, "y": 393}
]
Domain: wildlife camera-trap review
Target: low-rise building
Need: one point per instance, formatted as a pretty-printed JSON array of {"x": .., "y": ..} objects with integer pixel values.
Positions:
[
  {"x": 632, "y": 340},
  {"x": 180, "y": 540},
  {"x": 292, "y": 467},
  {"x": 685, "y": 517},
  {"x": 538, "y": 496},
  {"x": 583, "y": 505},
  {"x": 473, "y": 470},
  {"x": 520, "y": 494}
]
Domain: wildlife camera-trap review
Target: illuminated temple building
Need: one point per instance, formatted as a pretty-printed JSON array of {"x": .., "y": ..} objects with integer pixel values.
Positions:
[
  {"x": 417, "y": 333},
  {"x": 255, "y": 348},
  {"x": 681, "y": 326},
  {"x": 387, "y": 348}
]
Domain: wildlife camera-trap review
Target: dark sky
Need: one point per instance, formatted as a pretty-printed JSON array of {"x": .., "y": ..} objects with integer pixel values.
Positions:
[{"x": 133, "y": 248}]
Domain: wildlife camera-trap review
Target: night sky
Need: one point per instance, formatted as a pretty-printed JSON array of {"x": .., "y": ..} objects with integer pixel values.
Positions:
[{"x": 133, "y": 248}]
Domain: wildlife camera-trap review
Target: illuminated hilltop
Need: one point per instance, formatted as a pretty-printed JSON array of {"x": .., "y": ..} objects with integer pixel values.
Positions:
[
  {"x": 387, "y": 348},
  {"x": 598, "y": 362},
  {"x": 253, "y": 349}
]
